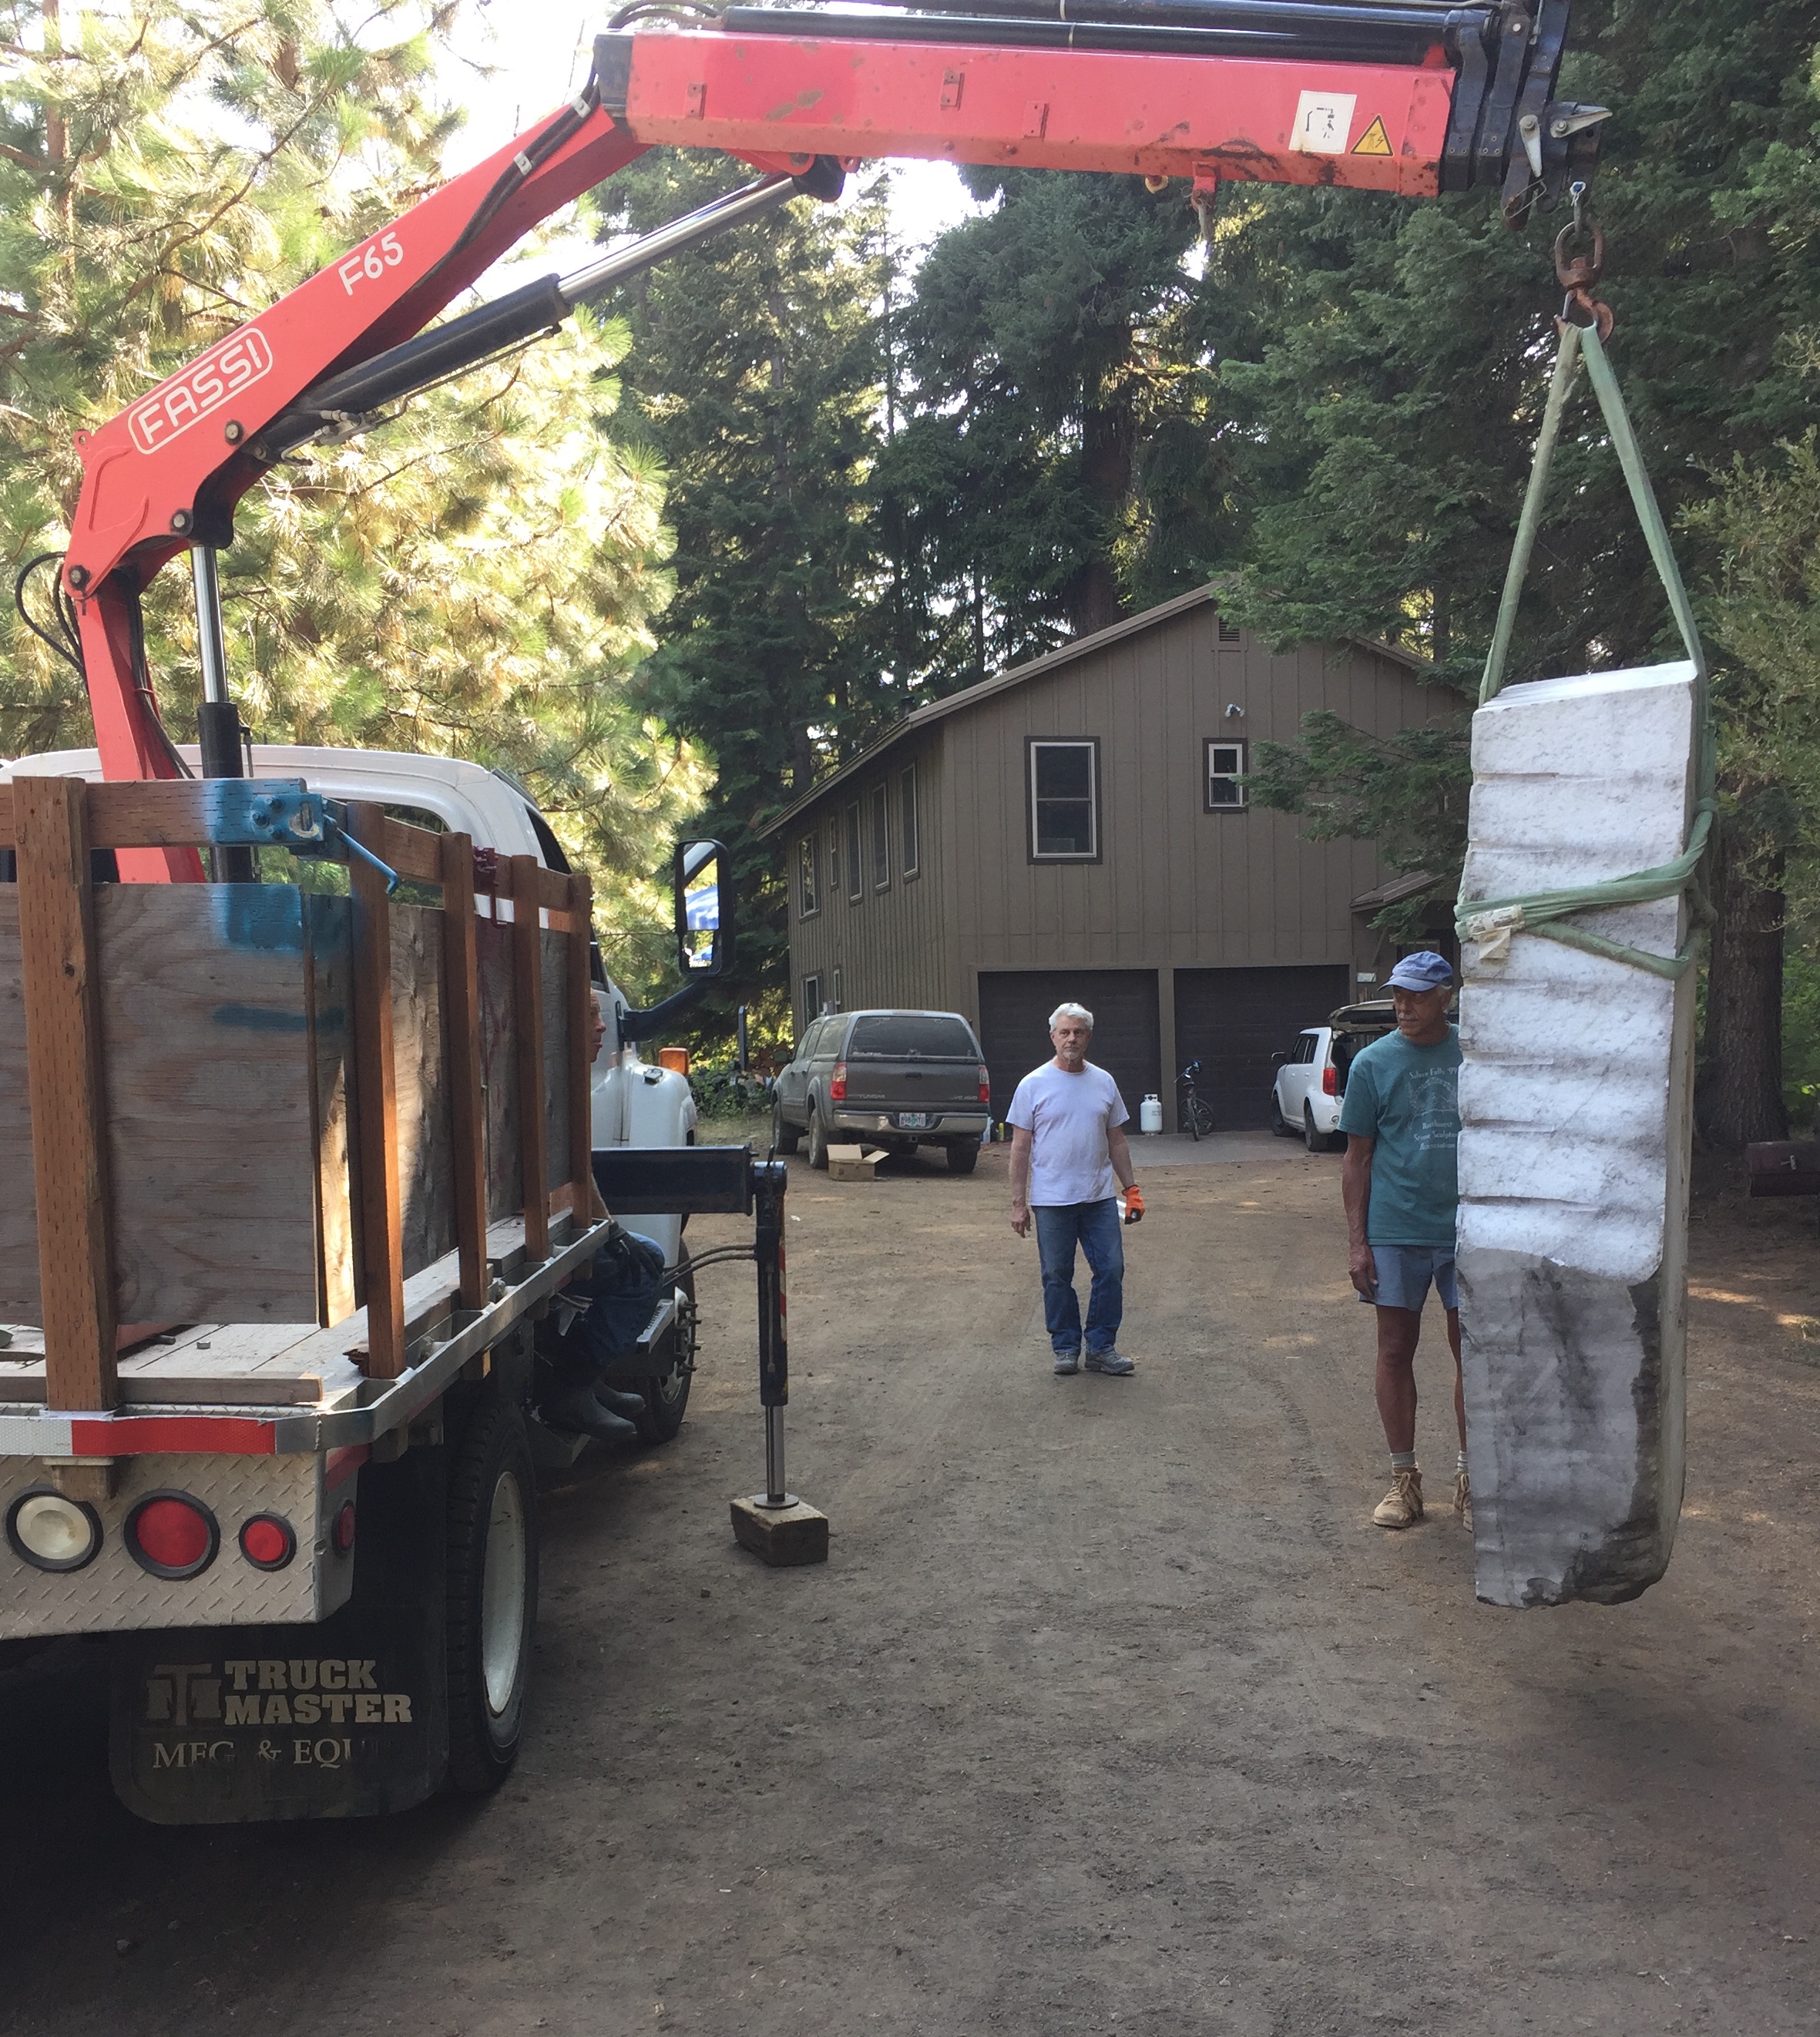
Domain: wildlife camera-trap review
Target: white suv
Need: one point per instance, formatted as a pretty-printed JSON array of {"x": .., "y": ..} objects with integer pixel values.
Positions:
[{"x": 1310, "y": 1083}]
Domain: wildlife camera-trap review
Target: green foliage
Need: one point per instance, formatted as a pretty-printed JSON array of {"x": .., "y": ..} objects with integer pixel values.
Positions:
[
  {"x": 1056, "y": 468},
  {"x": 754, "y": 378},
  {"x": 476, "y": 578},
  {"x": 1392, "y": 394}
]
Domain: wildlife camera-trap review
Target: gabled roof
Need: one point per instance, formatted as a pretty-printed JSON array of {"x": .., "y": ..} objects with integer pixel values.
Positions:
[{"x": 971, "y": 696}]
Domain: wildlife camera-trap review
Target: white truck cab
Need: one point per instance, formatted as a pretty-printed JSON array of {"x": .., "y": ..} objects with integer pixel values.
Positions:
[{"x": 634, "y": 1102}]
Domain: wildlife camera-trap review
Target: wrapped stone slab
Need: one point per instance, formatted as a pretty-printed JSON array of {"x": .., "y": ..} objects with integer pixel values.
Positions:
[{"x": 1575, "y": 1112}]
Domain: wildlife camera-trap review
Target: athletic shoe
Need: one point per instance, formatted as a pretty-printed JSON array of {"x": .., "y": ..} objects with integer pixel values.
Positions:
[
  {"x": 1463, "y": 1496},
  {"x": 1402, "y": 1506},
  {"x": 616, "y": 1403},
  {"x": 1111, "y": 1363},
  {"x": 579, "y": 1413},
  {"x": 1066, "y": 1362}
]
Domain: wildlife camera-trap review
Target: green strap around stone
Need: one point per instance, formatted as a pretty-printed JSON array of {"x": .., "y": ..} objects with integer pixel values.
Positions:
[{"x": 1545, "y": 912}]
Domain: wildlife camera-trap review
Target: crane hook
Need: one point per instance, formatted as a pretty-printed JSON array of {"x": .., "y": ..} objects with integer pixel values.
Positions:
[{"x": 1579, "y": 273}]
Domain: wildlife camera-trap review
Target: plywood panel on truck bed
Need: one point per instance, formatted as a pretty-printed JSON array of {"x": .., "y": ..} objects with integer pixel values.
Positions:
[
  {"x": 219, "y": 1062},
  {"x": 228, "y": 1079}
]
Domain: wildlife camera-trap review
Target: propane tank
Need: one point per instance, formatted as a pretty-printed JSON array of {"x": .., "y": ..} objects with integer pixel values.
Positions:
[{"x": 1150, "y": 1114}]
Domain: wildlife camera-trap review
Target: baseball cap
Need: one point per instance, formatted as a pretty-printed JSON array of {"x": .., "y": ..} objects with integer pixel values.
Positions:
[{"x": 1425, "y": 971}]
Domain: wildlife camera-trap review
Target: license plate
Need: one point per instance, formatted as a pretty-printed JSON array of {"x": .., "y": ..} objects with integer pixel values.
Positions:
[{"x": 913, "y": 1120}]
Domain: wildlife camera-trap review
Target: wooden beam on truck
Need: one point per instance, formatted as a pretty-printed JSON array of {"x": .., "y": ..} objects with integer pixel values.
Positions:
[
  {"x": 64, "y": 1078},
  {"x": 526, "y": 873},
  {"x": 581, "y": 904},
  {"x": 376, "y": 1103},
  {"x": 414, "y": 852},
  {"x": 461, "y": 1002}
]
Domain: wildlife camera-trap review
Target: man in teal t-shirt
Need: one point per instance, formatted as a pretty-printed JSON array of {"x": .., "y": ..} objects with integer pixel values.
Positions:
[{"x": 1400, "y": 1179}]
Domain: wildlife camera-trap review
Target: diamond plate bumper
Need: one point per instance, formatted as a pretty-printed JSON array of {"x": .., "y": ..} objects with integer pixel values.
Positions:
[{"x": 113, "y": 1593}]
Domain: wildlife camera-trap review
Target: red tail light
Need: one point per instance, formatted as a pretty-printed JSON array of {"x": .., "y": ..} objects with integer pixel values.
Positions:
[
  {"x": 171, "y": 1535},
  {"x": 838, "y": 1084},
  {"x": 267, "y": 1542},
  {"x": 985, "y": 1085},
  {"x": 1330, "y": 1082}
]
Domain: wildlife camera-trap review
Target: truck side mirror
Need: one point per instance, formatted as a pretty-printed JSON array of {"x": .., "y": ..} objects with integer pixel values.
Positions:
[{"x": 704, "y": 910}]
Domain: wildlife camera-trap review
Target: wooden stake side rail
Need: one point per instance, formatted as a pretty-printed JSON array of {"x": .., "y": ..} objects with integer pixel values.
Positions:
[
  {"x": 53, "y": 823},
  {"x": 64, "y": 1080}
]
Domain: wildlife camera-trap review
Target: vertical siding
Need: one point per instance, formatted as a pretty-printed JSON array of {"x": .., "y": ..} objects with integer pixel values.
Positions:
[
  {"x": 887, "y": 944},
  {"x": 1174, "y": 887}
]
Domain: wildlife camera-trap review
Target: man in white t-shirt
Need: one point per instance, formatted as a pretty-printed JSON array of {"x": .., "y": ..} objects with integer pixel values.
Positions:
[{"x": 1067, "y": 1147}]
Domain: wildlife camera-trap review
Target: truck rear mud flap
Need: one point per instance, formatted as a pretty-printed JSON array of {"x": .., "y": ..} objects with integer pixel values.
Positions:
[{"x": 344, "y": 1719}]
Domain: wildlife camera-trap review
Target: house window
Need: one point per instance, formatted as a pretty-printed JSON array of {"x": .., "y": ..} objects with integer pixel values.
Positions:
[
  {"x": 1065, "y": 802},
  {"x": 811, "y": 1002},
  {"x": 856, "y": 868},
  {"x": 808, "y": 897},
  {"x": 838, "y": 1006},
  {"x": 906, "y": 802},
  {"x": 1225, "y": 768},
  {"x": 881, "y": 826},
  {"x": 834, "y": 857}
]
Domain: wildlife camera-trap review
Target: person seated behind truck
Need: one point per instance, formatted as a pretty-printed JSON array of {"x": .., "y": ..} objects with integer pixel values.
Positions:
[
  {"x": 592, "y": 1321},
  {"x": 595, "y": 1318}
]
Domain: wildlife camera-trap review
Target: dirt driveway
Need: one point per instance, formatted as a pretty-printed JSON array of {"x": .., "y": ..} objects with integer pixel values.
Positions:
[{"x": 1110, "y": 1713}]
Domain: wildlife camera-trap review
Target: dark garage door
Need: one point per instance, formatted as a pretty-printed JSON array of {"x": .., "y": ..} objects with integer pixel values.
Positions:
[
  {"x": 1231, "y": 1021},
  {"x": 1014, "y": 1009}
]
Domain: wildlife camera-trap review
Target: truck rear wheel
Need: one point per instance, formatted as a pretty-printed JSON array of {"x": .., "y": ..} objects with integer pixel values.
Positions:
[
  {"x": 963, "y": 1156},
  {"x": 492, "y": 1590},
  {"x": 667, "y": 1396},
  {"x": 818, "y": 1140}
]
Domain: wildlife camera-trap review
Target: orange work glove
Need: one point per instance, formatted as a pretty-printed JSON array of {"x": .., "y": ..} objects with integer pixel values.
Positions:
[{"x": 1134, "y": 1204}]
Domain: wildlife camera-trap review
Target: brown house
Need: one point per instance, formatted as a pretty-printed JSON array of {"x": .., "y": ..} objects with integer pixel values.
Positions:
[{"x": 1075, "y": 828}]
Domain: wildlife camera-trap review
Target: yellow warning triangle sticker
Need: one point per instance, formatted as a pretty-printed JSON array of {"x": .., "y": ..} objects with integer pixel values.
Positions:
[{"x": 1374, "y": 141}]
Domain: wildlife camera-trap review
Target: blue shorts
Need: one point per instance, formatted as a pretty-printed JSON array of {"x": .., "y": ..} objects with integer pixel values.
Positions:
[{"x": 1405, "y": 1271}]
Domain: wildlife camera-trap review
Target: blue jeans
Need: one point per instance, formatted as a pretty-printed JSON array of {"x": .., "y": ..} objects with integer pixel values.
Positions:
[{"x": 1096, "y": 1226}]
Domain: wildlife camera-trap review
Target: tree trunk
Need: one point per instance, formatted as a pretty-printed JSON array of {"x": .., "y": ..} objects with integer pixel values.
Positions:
[
  {"x": 1739, "y": 1093},
  {"x": 1109, "y": 439}
]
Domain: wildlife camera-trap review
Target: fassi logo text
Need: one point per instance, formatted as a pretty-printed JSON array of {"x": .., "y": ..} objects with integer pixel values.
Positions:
[{"x": 186, "y": 399}]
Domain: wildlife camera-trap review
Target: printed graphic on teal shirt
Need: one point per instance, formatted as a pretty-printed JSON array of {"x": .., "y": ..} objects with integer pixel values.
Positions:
[{"x": 1407, "y": 1098}]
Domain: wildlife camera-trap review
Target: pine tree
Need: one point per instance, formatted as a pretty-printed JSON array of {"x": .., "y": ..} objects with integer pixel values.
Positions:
[
  {"x": 1057, "y": 468},
  {"x": 1393, "y": 395},
  {"x": 756, "y": 377},
  {"x": 476, "y": 577}
]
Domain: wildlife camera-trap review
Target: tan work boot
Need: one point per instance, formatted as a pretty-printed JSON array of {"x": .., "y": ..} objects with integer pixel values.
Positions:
[
  {"x": 1402, "y": 1506},
  {"x": 1463, "y": 1496}
]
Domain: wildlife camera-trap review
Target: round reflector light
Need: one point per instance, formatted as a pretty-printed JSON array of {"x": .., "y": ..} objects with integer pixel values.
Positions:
[
  {"x": 51, "y": 1533},
  {"x": 171, "y": 1535},
  {"x": 344, "y": 1529},
  {"x": 267, "y": 1542}
]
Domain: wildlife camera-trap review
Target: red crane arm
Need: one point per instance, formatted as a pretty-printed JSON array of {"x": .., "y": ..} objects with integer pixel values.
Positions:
[{"x": 1416, "y": 100}]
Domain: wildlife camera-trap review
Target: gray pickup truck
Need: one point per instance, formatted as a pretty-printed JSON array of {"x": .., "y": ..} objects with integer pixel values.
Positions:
[{"x": 899, "y": 1079}]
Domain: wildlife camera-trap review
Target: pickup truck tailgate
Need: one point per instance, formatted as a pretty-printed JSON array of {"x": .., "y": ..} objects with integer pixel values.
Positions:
[{"x": 913, "y": 1061}]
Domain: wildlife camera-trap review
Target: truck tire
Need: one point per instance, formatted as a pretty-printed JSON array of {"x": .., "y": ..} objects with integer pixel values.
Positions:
[
  {"x": 667, "y": 1396},
  {"x": 818, "y": 1140},
  {"x": 492, "y": 1593},
  {"x": 963, "y": 1156},
  {"x": 784, "y": 1136}
]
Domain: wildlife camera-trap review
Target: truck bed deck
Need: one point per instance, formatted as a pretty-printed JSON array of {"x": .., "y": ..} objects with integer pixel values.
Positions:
[{"x": 308, "y": 1380}]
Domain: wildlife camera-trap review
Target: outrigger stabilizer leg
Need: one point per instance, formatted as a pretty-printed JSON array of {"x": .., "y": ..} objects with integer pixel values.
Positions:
[{"x": 774, "y": 1524}]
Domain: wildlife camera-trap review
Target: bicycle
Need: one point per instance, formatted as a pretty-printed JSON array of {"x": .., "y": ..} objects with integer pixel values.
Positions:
[{"x": 1196, "y": 1113}]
